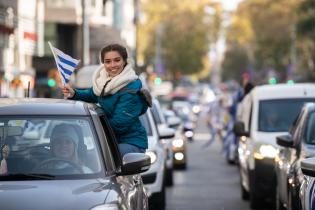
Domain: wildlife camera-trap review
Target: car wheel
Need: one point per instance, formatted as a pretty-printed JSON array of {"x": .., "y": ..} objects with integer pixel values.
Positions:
[
  {"x": 182, "y": 166},
  {"x": 254, "y": 198},
  {"x": 169, "y": 177},
  {"x": 157, "y": 200}
]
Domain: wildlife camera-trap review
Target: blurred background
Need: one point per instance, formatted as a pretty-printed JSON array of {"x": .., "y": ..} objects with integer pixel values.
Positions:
[{"x": 181, "y": 41}]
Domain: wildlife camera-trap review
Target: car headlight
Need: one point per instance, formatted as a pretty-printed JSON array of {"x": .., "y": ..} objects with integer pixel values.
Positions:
[
  {"x": 189, "y": 134},
  {"x": 178, "y": 143},
  {"x": 152, "y": 155},
  {"x": 105, "y": 207},
  {"x": 196, "y": 109},
  {"x": 265, "y": 151}
]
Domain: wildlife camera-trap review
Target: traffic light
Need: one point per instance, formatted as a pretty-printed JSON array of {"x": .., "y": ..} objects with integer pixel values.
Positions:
[
  {"x": 157, "y": 80},
  {"x": 272, "y": 81},
  {"x": 51, "y": 82},
  {"x": 52, "y": 78},
  {"x": 290, "y": 82}
]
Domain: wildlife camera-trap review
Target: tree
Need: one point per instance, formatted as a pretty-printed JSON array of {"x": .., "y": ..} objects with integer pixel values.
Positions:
[
  {"x": 185, "y": 36},
  {"x": 306, "y": 35},
  {"x": 264, "y": 29}
]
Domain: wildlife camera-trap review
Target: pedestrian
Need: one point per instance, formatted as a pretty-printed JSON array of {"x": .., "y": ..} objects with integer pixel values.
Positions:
[
  {"x": 114, "y": 86},
  {"x": 216, "y": 120}
]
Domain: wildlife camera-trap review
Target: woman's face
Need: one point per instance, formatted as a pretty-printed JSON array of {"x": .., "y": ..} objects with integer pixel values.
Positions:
[{"x": 113, "y": 63}]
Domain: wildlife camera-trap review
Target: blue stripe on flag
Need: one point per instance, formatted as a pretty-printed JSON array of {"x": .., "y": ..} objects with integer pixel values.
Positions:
[
  {"x": 70, "y": 63},
  {"x": 66, "y": 71},
  {"x": 65, "y": 79}
]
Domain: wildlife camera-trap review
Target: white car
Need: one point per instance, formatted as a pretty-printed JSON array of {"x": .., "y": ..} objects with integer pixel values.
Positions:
[
  {"x": 266, "y": 112},
  {"x": 160, "y": 120},
  {"x": 155, "y": 176}
]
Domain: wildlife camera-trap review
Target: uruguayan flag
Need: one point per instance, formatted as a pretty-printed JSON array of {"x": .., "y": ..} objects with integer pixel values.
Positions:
[{"x": 65, "y": 64}]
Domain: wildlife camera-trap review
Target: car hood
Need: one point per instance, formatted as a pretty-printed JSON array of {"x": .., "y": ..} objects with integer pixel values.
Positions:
[
  {"x": 53, "y": 194},
  {"x": 268, "y": 137}
]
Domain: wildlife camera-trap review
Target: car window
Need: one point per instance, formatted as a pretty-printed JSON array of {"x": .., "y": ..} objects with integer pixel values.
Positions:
[
  {"x": 310, "y": 129},
  {"x": 146, "y": 124},
  {"x": 278, "y": 115},
  {"x": 59, "y": 147}
]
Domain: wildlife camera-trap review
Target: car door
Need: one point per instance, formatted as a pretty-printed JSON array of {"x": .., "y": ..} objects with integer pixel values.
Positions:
[
  {"x": 286, "y": 157},
  {"x": 294, "y": 169},
  {"x": 129, "y": 187}
]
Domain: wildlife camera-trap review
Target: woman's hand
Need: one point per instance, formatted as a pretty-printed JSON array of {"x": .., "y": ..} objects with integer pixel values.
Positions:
[{"x": 67, "y": 91}]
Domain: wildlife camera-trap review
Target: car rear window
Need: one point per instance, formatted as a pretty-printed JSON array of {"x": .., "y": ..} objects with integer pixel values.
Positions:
[{"x": 278, "y": 115}]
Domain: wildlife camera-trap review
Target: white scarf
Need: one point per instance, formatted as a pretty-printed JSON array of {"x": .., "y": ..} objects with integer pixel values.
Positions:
[{"x": 100, "y": 77}]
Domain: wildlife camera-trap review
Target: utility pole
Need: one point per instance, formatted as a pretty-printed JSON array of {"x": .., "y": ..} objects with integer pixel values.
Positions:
[
  {"x": 136, "y": 23},
  {"x": 85, "y": 36}
]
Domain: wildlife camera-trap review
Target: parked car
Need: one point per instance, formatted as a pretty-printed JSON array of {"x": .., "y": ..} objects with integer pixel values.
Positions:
[
  {"x": 296, "y": 146},
  {"x": 154, "y": 178},
  {"x": 160, "y": 120},
  {"x": 34, "y": 175},
  {"x": 179, "y": 144},
  {"x": 266, "y": 112},
  {"x": 307, "y": 193}
]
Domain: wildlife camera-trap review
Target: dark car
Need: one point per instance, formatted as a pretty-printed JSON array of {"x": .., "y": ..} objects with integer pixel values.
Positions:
[
  {"x": 85, "y": 173},
  {"x": 296, "y": 146}
]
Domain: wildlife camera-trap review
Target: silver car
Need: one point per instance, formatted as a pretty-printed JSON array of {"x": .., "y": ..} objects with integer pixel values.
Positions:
[{"x": 60, "y": 154}]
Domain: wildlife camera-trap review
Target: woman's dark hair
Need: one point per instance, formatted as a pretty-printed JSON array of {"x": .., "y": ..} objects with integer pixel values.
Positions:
[{"x": 114, "y": 47}]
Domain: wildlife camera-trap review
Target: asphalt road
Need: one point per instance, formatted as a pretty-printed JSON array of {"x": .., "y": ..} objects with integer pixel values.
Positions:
[{"x": 208, "y": 183}]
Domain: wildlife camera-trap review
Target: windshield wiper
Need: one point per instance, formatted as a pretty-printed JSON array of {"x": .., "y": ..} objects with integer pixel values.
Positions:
[{"x": 22, "y": 176}]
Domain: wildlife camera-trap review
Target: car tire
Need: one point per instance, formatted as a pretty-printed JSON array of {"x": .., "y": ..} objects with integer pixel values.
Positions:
[
  {"x": 182, "y": 166},
  {"x": 254, "y": 198},
  {"x": 158, "y": 200},
  {"x": 169, "y": 177}
]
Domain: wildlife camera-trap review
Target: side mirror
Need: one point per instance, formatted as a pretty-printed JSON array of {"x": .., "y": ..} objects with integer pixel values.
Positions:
[
  {"x": 285, "y": 140},
  {"x": 166, "y": 133},
  {"x": 308, "y": 166},
  {"x": 239, "y": 129},
  {"x": 135, "y": 163},
  {"x": 173, "y": 121}
]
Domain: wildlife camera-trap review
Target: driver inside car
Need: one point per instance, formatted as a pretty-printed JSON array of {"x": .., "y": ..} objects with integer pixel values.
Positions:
[{"x": 64, "y": 143}]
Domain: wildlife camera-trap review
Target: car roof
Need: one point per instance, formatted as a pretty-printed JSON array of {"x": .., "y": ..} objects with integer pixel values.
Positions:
[
  {"x": 43, "y": 106},
  {"x": 281, "y": 91}
]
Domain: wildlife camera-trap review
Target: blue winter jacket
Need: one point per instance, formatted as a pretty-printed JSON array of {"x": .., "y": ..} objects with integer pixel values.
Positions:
[{"x": 123, "y": 110}]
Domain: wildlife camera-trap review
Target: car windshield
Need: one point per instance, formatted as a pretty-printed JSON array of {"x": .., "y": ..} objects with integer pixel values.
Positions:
[
  {"x": 310, "y": 129},
  {"x": 45, "y": 147},
  {"x": 278, "y": 115}
]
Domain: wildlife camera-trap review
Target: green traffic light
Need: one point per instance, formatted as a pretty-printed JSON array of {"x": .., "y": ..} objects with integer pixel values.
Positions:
[
  {"x": 51, "y": 83},
  {"x": 157, "y": 81},
  {"x": 272, "y": 81},
  {"x": 290, "y": 82}
]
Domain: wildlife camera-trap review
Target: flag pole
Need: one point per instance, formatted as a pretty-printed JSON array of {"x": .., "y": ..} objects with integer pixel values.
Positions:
[{"x": 55, "y": 57}]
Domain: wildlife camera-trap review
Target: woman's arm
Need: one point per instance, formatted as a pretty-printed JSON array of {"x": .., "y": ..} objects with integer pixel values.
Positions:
[{"x": 86, "y": 95}]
